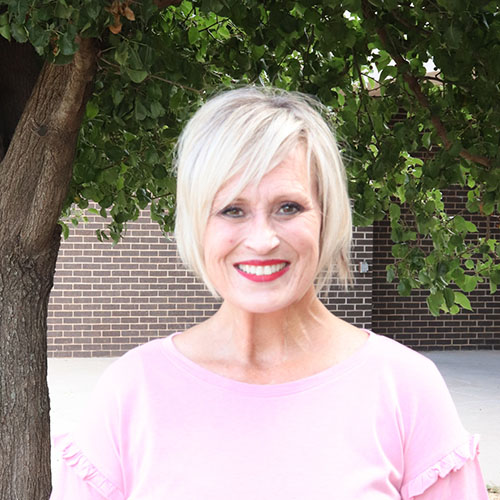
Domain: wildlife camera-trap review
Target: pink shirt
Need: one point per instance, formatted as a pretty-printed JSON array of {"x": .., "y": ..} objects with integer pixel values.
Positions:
[{"x": 380, "y": 425}]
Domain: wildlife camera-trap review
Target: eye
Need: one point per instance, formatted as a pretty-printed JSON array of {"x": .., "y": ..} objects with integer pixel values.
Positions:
[
  {"x": 232, "y": 211},
  {"x": 289, "y": 208}
]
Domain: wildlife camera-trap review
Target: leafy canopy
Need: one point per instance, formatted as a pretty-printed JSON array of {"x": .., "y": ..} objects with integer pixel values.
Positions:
[{"x": 412, "y": 89}]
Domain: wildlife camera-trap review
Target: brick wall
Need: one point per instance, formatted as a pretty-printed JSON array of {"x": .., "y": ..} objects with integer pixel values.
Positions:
[
  {"x": 108, "y": 299},
  {"x": 408, "y": 320},
  {"x": 355, "y": 305}
]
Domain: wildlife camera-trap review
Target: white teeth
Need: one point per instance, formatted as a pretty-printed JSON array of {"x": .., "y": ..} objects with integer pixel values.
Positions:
[{"x": 262, "y": 270}]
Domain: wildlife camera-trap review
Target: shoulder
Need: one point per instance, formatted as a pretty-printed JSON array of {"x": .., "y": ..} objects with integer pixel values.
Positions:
[
  {"x": 409, "y": 378},
  {"x": 400, "y": 360},
  {"x": 134, "y": 368},
  {"x": 417, "y": 388}
]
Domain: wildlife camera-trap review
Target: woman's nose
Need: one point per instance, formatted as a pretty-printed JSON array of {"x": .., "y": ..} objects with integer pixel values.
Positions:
[{"x": 261, "y": 237}]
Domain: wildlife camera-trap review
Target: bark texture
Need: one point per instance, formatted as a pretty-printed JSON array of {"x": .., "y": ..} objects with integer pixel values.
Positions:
[
  {"x": 25, "y": 283},
  {"x": 34, "y": 178}
]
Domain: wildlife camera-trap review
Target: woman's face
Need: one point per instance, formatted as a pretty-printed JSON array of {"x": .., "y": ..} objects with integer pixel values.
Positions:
[{"x": 261, "y": 250}]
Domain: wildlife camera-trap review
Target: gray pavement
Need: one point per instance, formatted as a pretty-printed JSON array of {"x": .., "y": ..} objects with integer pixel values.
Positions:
[{"x": 473, "y": 378}]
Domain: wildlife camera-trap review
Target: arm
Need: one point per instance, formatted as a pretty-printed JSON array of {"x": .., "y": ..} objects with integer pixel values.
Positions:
[
  {"x": 441, "y": 457},
  {"x": 87, "y": 462},
  {"x": 463, "y": 484},
  {"x": 74, "y": 476},
  {"x": 67, "y": 484}
]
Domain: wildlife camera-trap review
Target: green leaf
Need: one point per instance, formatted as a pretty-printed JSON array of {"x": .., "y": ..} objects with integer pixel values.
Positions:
[
  {"x": 395, "y": 212},
  {"x": 19, "y": 33},
  {"x": 92, "y": 110},
  {"x": 212, "y": 6},
  {"x": 388, "y": 72},
  {"x": 495, "y": 277},
  {"x": 471, "y": 227},
  {"x": 409, "y": 236},
  {"x": 449, "y": 297},
  {"x": 140, "y": 110},
  {"x": 121, "y": 54},
  {"x": 193, "y": 35},
  {"x": 63, "y": 10},
  {"x": 469, "y": 264},
  {"x": 117, "y": 97},
  {"x": 455, "y": 148},
  {"x": 137, "y": 76},
  {"x": 258, "y": 51},
  {"x": 65, "y": 230},
  {"x": 110, "y": 175},
  {"x": 435, "y": 301},
  {"x": 404, "y": 287},
  {"x": 442, "y": 269},
  {"x": 67, "y": 45},
  {"x": 468, "y": 283},
  {"x": 159, "y": 172},
  {"x": 5, "y": 31},
  {"x": 462, "y": 300},
  {"x": 93, "y": 10},
  {"x": 454, "y": 36},
  {"x": 157, "y": 109},
  {"x": 391, "y": 274}
]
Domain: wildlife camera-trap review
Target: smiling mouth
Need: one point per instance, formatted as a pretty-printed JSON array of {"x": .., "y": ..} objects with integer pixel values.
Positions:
[{"x": 266, "y": 271}]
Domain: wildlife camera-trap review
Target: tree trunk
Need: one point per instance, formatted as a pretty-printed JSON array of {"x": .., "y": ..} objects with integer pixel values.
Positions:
[
  {"x": 25, "y": 283},
  {"x": 34, "y": 178}
]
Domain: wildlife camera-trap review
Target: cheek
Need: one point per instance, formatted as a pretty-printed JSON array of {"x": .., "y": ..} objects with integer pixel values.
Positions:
[
  {"x": 219, "y": 241},
  {"x": 307, "y": 232}
]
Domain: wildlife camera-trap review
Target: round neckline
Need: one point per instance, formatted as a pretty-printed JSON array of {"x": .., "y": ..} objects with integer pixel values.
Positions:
[{"x": 267, "y": 390}]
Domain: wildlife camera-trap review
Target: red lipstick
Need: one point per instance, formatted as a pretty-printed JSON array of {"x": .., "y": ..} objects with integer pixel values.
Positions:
[{"x": 255, "y": 270}]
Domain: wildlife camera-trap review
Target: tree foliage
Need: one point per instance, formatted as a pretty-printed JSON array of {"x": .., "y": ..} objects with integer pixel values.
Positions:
[{"x": 432, "y": 63}]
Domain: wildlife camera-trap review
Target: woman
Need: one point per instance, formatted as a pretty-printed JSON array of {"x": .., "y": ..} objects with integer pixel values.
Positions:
[{"x": 273, "y": 397}]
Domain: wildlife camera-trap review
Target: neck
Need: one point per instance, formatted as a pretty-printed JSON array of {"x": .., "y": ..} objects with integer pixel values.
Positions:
[{"x": 265, "y": 340}]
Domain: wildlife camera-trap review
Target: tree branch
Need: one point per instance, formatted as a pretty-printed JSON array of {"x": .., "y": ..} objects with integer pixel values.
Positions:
[
  {"x": 155, "y": 77},
  {"x": 405, "y": 23},
  {"x": 412, "y": 82},
  {"x": 356, "y": 64},
  {"x": 38, "y": 166}
]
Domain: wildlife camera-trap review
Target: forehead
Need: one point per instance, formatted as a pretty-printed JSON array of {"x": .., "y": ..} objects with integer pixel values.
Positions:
[{"x": 292, "y": 174}]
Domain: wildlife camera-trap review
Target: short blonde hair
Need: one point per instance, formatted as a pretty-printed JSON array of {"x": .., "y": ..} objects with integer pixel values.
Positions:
[{"x": 250, "y": 130}]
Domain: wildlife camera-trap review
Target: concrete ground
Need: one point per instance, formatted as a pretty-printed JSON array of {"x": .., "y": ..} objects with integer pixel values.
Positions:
[{"x": 473, "y": 378}]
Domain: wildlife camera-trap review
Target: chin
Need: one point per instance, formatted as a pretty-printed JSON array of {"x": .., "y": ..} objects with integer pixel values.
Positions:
[{"x": 263, "y": 305}]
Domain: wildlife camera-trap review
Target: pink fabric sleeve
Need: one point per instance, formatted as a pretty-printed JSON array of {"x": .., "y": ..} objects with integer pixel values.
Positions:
[
  {"x": 457, "y": 476},
  {"x": 465, "y": 483},
  {"x": 440, "y": 455},
  {"x": 76, "y": 477}
]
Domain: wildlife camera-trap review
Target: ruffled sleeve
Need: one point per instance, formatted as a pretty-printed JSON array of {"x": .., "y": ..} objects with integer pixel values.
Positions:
[
  {"x": 456, "y": 476},
  {"x": 440, "y": 456},
  {"x": 88, "y": 462},
  {"x": 74, "y": 476}
]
